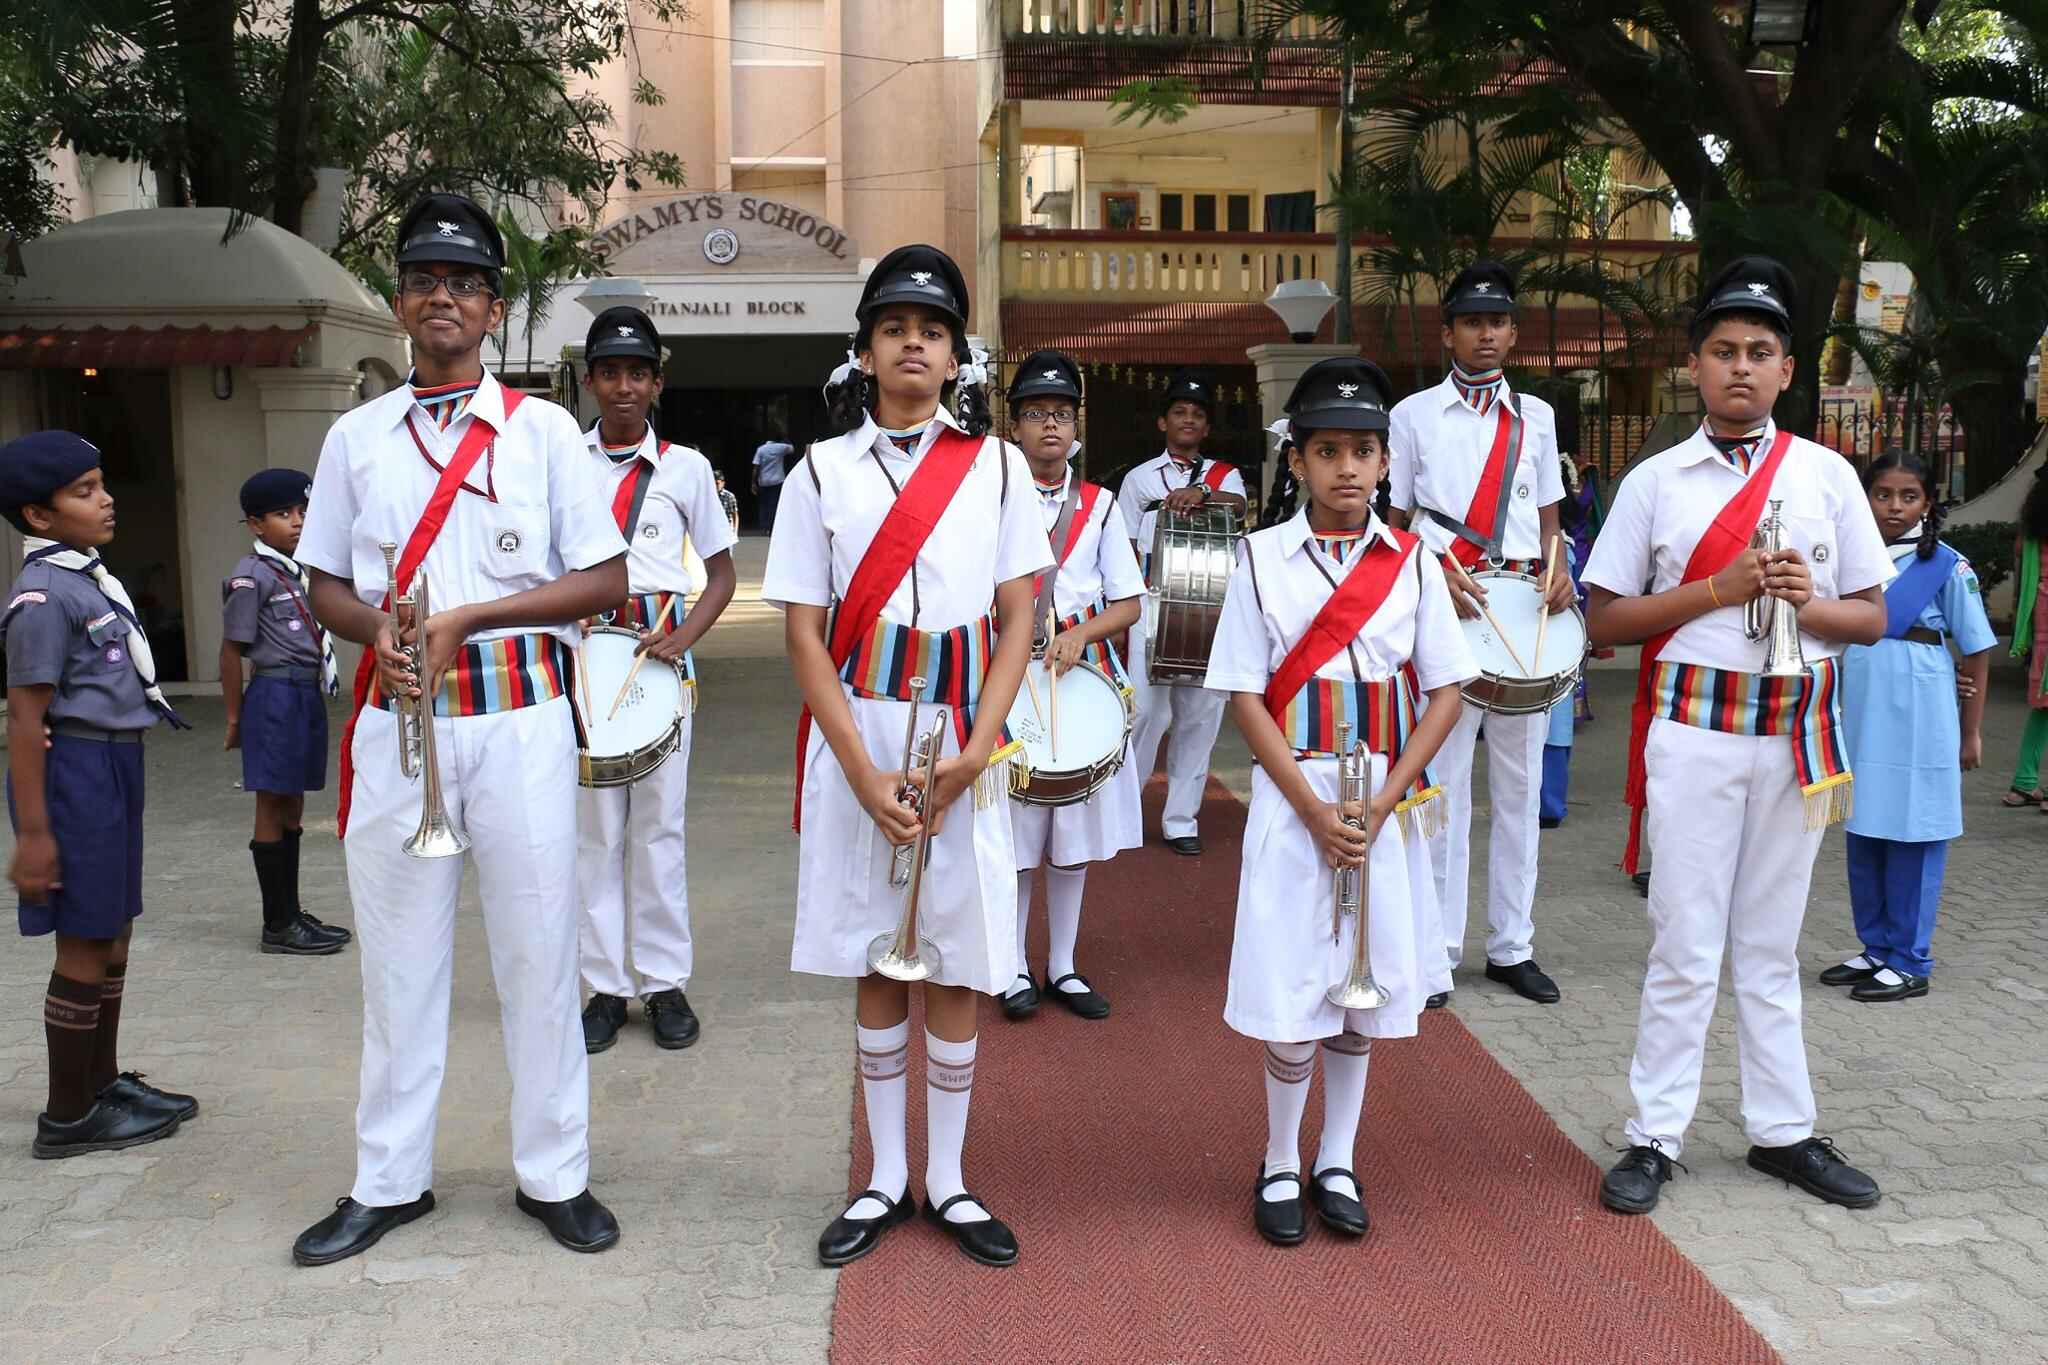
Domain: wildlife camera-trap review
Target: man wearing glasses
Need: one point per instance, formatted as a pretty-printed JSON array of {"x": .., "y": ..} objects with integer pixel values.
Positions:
[{"x": 497, "y": 503}]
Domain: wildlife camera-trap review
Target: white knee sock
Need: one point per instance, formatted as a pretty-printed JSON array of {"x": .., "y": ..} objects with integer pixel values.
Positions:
[
  {"x": 1063, "y": 918},
  {"x": 884, "y": 1091},
  {"x": 1344, "y": 1063},
  {"x": 1023, "y": 923},
  {"x": 948, "y": 1085},
  {"x": 1287, "y": 1071}
]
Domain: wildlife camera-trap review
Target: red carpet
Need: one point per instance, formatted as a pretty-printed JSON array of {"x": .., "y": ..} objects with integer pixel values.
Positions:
[{"x": 1123, "y": 1153}]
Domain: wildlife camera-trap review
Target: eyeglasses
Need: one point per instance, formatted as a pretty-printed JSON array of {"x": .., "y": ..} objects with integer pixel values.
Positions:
[
  {"x": 423, "y": 283},
  {"x": 1061, "y": 417}
]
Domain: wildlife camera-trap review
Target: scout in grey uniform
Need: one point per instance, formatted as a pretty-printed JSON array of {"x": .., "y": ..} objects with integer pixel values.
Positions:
[
  {"x": 280, "y": 721},
  {"x": 80, "y": 670}
]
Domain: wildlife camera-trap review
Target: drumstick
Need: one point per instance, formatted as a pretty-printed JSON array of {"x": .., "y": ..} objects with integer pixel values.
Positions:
[
  {"x": 583, "y": 682},
  {"x": 1543, "y": 608},
  {"x": 668, "y": 600},
  {"x": 1470, "y": 586},
  {"x": 1052, "y": 688},
  {"x": 1032, "y": 688}
]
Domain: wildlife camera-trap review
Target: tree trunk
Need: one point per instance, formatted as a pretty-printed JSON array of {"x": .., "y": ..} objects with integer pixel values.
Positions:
[
  {"x": 1995, "y": 427},
  {"x": 291, "y": 179},
  {"x": 1839, "y": 357},
  {"x": 205, "y": 62}
]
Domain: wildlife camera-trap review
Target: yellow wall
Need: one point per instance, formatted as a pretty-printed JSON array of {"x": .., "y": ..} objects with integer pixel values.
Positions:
[{"x": 1198, "y": 162}]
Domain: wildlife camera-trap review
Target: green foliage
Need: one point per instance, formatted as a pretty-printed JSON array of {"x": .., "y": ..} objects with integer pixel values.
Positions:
[
  {"x": 1168, "y": 99},
  {"x": 1988, "y": 547}
]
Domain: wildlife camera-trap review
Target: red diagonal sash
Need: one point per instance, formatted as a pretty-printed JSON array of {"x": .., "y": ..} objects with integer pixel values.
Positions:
[
  {"x": 1216, "y": 473},
  {"x": 1089, "y": 493},
  {"x": 1485, "y": 510},
  {"x": 632, "y": 492},
  {"x": 1342, "y": 616},
  {"x": 915, "y": 515},
  {"x": 475, "y": 442},
  {"x": 1727, "y": 537}
]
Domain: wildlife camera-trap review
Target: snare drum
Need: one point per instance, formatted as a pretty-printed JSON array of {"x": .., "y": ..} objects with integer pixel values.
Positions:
[
  {"x": 1516, "y": 601},
  {"x": 624, "y": 747},
  {"x": 1095, "y": 732},
  {"x": 1193, "y": 554}
]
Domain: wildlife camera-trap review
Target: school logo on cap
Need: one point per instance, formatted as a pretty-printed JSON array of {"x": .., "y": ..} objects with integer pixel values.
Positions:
[
  {"x": 508, "y": 542},
  {"x": 1483, "y": 287},
  {"x": 1194, "y": 383},
  {"x": 626, "y": 331},
  {"x": 1346, "y": 390},
  {"x": 923, "y": 277},
  {"x": 446, "y": 228},
  {"x": 721, "y": 246},
  {"x": 1760, "y": 289},
  {"x": 1053, "y": 375}
]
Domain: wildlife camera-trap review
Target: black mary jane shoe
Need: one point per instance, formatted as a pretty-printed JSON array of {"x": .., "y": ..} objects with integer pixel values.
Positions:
[
  {"x": 1188, "y": 845},
  {"x": 131, "y": 1089},
  {"x": 847, "y": 1239},
  {"x": 1280, "y": 1221},
  {"x": 1022, "y": 1004},
  {"x": 1527, "y": 980},
  {"x": 354, "y": 1228},
  {"x": 579, "y": 1223},
  {"x": 1816, "y": 1167},
  {"x": 1339, "y": 1212},
  {"x": 1854, "y": 972},
  {"x": 110, "y": 1125},
  {"x": 1887, "y": 984},
  {"x": 988, "y": 1240},
  {"x": 603, "y": 1017},
  {"x": 674, "y": 1022},
  {"x": 298, "y": 938},
  {"x": 1084, "y": 1002}
]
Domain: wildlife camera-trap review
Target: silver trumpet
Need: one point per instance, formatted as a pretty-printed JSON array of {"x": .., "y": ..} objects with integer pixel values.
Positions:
[
  {"x": 436, "y": 836},
  {"x": 904, "y": 953},
  {"x": 907, "y": 791},
  {"x": 1770, "y": 619},
  {"x": 1350, "y": 888}
]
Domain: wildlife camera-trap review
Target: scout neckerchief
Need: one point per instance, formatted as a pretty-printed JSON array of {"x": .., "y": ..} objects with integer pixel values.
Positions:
[
  {"x": 330, "y": 674},
  {"x": 1343, "y": 614},
  {"x": 139, "y": 656},
  {"x": 1478, "y": 536},
  {"x": 632, "y": 490},
  {"x": 911, "y": 520},
  {"x": 1915, "y": 588},
  {"x": 480, "y": 437},
  {"x": 1728, "y": 536}
]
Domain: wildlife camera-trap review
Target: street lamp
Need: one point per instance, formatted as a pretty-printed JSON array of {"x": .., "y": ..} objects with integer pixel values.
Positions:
[
  {"x": 1783, "y": 23},
  {"x": 609, "y": 292},
  {"x": 1301, "y": 305}
]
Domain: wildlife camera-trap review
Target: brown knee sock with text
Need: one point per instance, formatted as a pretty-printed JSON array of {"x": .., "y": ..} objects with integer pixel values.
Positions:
[
  {"x": 106, "y": 1039},
  {"x": 71, "y": 1016}
]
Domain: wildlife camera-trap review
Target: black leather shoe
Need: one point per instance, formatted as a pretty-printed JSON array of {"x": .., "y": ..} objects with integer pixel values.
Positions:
[
  {"x": 326, "y": 930},
  {"x": 130, "y": 1089},
  {"x": 1527, "y": 980},
  {"x": 1022, "y": 1004},
  {"x": 1084, "y": 1002},
  {"x": 1816, "y": 1167},
  {"x": 299, "y": 939},
  {"x": 1636, "y": 1180},
  {"x": 1887, "y": 984},
  {"x": 603, "y": 1017},
  {"x": 1188, "y": 845},
  {"x": 1854, "y": 972},
  {"x": 1549, "y": 821},
  {"x": 354, "y": 1228},
  {"x": 580, "y": 1224},
  {"x": 1437, "y": 1001},
  {"x": 674, "y": 1022},
  {"x": 848, "y": 1239},
  {"x": 108, "y": 1126},
  {"x": 1641, "y": 882},
  {"x": 1339, "y": 1212},
  {"x": 988, "y": 1240},
  {"x": 1280, "y": 1221}
]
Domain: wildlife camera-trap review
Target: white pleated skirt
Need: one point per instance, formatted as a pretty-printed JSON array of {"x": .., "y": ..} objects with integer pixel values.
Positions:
[{"x": 1091, "y": 831}]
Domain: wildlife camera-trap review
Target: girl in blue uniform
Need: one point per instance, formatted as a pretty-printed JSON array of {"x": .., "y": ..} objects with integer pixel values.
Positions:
[{"x": 1908, "y": 746}]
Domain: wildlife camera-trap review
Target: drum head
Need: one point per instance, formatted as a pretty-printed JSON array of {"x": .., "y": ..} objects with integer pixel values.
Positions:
[
  {"x": 652, "y": 706},
  {"x": 1092, "y": 726},
  {"x": 1516, "y": 601}
]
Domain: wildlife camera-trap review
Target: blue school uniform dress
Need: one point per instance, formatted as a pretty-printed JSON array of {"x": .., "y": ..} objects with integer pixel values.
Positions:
[
  {"x": 1904, "y": 733},
  {"x": 60, "y": 631},
  {"x": 264, "y": 609}
]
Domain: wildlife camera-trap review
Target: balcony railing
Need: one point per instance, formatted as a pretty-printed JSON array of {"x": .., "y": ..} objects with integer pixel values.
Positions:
[{"x": 1214, "y": 20}]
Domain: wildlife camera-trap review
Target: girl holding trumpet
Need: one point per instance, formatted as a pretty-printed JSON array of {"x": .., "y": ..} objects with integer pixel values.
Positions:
[
  {"x": 903, "y": 555},
  {"x": 1334, "y": 633}
]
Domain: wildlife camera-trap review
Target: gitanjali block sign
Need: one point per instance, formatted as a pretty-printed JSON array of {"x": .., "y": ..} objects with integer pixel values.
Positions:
[{"x": 705, "y": 234}]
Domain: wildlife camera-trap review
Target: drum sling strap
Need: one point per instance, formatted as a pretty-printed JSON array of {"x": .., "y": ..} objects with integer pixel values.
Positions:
[
  {"x": 475, "y": 441},
  {"x": 1478, "y": 536},
  {"x": 1066, "y": 534},
  {"x": 911, "y": 520}
]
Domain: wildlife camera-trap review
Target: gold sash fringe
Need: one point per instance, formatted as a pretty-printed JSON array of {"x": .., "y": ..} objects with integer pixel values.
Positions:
[
  {"x": 1426, "y": 812},
  {"x": 1830, "y": 801}
]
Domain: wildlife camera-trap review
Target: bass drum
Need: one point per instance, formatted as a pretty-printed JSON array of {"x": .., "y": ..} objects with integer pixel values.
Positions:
[
  {"x": 624, "y": 746},
  {"x": 1508, "y": 688},
  {"x": 1193, "y": 556}
]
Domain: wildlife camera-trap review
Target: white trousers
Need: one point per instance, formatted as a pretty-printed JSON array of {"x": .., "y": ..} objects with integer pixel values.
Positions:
[
  {"x": 1514, "y": 769},
  {"x": 509, "y": 783},
  {"x": 631, "y": 877},
  {"x": 1190, "y": 717},
  {"x": 1733, "y": 861}
]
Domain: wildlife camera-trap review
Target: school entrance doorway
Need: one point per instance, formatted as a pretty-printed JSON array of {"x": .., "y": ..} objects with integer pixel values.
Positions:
[{"x": 726, "y": 395}]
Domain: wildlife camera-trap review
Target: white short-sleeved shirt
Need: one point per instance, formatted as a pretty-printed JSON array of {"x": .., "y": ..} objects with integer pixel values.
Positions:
[
  {"x": 681, "y": 501},
  {"x": 836, "y": 499},
  {"x": 1667, "y": 503},
  {"x": 1283, "y": 580},
  {"x": 1151, "y": 481},
  {"x": 1102, "y": 564},
  {"x": 1437, "y": 449},
  {"x": 530, "y": 511}
]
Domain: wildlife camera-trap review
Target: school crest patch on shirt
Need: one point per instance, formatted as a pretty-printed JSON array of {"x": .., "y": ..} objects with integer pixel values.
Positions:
[
  {"x": 294, "y": 625},
  {"x": 508, "y": 542},
  {"x": 651, "y": 531},
  {"x": 114, "y": 654},
  {"x": 1820, "y": 553}
]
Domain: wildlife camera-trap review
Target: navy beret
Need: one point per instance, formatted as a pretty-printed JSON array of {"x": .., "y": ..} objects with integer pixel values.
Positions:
[
  {"x": 275, "y": 490},
  {"x": 34, "y": 466}
]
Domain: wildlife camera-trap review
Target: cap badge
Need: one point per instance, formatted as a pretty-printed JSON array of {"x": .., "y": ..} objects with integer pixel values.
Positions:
[
  {"x": 1346, "y": 390},
  {"x": 1053, "y": 375},
  {"x": 1194, "y": 383},
  {"x": 625, "y": 331},
  {"x": 446, "y": 228},
  {"x": 1483, "y": 287},
  {"x": 1760, "y": 289},
  {"x": 923, "y": 277}
]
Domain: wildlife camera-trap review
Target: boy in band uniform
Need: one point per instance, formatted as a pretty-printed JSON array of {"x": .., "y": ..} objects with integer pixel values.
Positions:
[
  {"x": 79, "y": 671},
  {"x": 1476, "y": 475},
  {"x": 1333, "y": 618},
  {"x": 279, "y": 720},
  {"x": 1179, "y": 479},
  {"x": 1093, "y": 591},
  {"x": 1738, "y": 773},
  {"x": 629, "y": 842},
  {"x": 494, "y": 499}
]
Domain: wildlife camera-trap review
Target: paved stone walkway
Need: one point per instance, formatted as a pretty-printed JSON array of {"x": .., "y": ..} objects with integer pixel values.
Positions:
[{"x": 724, "y": 1161}]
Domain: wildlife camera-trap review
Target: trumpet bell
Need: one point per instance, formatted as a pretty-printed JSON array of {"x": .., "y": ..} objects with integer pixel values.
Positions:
[
  {"x": 920, "y": 965},
  {"x": 436, "y": 841},
  {"x": 1363, "y": 994}
]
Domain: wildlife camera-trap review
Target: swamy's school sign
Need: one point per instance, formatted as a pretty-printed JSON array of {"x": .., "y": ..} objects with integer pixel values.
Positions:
[{"x": 724, "y": 233}]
